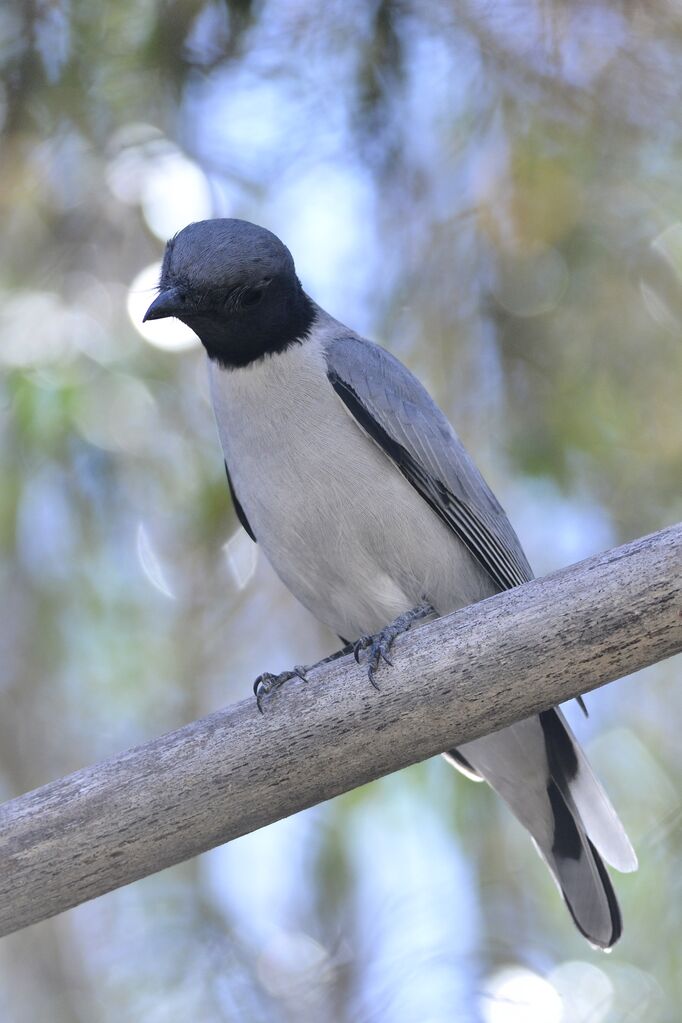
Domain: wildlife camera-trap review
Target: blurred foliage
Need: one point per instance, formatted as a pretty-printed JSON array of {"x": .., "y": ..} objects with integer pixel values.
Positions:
[{"x": 492, "y": 191}]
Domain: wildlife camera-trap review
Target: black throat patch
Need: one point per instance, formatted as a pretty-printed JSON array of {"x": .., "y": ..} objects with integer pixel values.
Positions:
[{"x": 238, "y": 338}]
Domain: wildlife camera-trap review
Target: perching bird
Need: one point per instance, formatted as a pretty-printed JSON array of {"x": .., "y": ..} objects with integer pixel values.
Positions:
[{"x": 364, "y": 500}]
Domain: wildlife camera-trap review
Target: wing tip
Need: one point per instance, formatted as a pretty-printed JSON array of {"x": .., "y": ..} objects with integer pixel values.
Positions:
[
  {"x": 626, "y": 861},
  {"x": 612, "y": 902},
  {"x": 572, "y": 846}
]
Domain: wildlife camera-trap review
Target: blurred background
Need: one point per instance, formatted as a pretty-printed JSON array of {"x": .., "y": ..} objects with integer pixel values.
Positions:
[{"x": 490, "y": 190}]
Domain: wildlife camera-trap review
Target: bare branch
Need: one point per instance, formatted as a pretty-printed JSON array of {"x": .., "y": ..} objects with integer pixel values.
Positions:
[{"x": 455, "y": 679}]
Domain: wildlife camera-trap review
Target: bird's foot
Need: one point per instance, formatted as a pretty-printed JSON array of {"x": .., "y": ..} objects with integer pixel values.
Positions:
[
  {"x": 267, "y": 682},
  {"x": 379, "y": 645}
]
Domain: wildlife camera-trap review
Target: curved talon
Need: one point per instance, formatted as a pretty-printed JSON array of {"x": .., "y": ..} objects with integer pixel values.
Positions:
[
  {"x": 261, "y": 681},
  {"x": 267, "y": 682},
  {"x": 360, "y": 645},
  {"x": 377, "y": 652},
  {"x": 262, "y": 687},
  {"x": 370, "y": 675},
  {"x": 380, "y": 645}
]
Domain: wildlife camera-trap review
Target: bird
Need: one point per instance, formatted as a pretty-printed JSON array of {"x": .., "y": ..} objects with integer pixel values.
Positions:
[{"x": 360, "y": 493}]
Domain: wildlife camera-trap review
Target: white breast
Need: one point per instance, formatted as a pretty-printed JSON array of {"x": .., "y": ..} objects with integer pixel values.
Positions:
[{"x": 342, "y": 528}]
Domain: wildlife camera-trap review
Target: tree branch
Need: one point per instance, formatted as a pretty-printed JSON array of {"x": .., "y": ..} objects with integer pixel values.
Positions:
[{"x": 471, "y": 673}]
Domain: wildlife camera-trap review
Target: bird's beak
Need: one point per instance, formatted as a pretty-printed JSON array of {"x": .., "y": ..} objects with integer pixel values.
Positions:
[{"x": 167, "y": 303}]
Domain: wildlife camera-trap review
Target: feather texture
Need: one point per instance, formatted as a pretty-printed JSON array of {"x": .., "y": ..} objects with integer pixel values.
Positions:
[
  {"x": 536, "y": 766},
  {"x": 365, "y": 501},
  {"x": 399, "y": 413}
]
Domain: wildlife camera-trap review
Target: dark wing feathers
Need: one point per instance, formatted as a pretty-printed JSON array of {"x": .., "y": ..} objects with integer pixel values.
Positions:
[
  {"x": 581, "y": 875},
  {"x": 237, "y": 506},
  {"x": 392, "y": 406}
]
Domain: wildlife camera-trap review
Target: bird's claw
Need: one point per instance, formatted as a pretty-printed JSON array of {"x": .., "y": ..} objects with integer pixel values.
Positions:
[
  {"x": 360, "y": 645},
  {"x": 267, "y": 683},
  {"x": 380, "y": 644},
  {"x": 379, "y": 647}
]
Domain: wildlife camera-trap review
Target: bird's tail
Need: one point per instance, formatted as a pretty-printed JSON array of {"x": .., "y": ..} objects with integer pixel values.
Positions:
[{"x": 543, "y": 775}]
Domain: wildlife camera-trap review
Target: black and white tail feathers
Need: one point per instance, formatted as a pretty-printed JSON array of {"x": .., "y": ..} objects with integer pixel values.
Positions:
[{"x": 543, "y": 775}]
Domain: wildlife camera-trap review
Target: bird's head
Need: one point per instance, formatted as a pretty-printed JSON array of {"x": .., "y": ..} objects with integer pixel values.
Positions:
[{"x": 235, "y": 285}]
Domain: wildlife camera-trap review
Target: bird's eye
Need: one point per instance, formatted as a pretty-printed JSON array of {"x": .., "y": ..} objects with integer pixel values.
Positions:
[{"x": 252, "y": 297}]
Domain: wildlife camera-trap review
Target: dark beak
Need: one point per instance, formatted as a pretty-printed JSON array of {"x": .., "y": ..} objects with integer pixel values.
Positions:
[{"x": 170, "y": 302}]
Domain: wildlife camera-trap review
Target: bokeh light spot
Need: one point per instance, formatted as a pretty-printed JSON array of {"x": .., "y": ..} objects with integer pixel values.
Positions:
[
  {"x": 150, "y": 563},
  {"x": 515, "y": 995},
  {"x": 586, "y": 991},
  {"x": 171, "y": 335},
  {"x": 175, "y": 193},
  {"x": 242, "y": 557},
  {"x": 532, "y": 284}
]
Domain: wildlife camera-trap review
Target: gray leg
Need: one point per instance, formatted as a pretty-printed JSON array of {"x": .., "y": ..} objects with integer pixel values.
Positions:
[
  {"x": 267, "y": 682},
  {"x": 380, "y": 645}
]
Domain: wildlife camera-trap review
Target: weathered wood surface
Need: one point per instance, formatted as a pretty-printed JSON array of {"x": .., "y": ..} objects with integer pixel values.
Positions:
[{"x": 455, "y": 679}]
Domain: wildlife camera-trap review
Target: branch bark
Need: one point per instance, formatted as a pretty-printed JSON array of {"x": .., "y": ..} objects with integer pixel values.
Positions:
[{"x": 465, "y": 675}]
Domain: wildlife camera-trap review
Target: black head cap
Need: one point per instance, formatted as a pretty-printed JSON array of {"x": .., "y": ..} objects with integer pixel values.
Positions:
[{"x": 235, "y": 285}]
